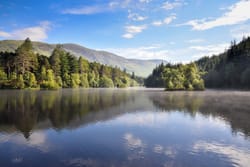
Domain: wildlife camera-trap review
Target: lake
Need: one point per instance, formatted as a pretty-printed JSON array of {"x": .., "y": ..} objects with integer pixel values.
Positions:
[{"x": 124, "y": 127}]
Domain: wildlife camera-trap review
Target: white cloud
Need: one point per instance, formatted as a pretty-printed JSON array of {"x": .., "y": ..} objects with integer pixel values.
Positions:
[
  {"x": 105, "y": 7},
  {"x": 145, "y": 1},
  {"x": 240, "y": 31},
  {"x": 128, "y": 36},
  {"x": 183, "y": 55},
  {"x": 87, "y": 10},
  {"x": 144, "y": 52},
  {"x": 171, "y": 5},
  {"x": 4, "y": 34},
  {"x": 208, "y": 50},
  {"x": 135, "y": 29},
  {"x": 157, "y": 23},
  {"x": 136, "y": 17},
  {"x": 237, "y": 13},
  {"x": 169, "y": 19},
  {"x": 36, "y": 33},
  {"x": 195, "y": 41},
  {"x": 132, "y": 30}
]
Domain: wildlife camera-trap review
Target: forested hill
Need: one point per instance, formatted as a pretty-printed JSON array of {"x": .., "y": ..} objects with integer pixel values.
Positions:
[
  {"x": 26, "y": 69},
  {"x": 230, "y": 69},
  {"x": 103, "y": 57}
]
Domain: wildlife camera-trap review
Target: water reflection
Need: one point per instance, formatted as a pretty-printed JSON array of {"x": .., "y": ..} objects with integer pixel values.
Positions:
[
  {"x": 26, "y": 110},
  {"x": 233, "y": 107},
  {"x": 128, "y": 127},
  {"x": 239, "y": 156}
]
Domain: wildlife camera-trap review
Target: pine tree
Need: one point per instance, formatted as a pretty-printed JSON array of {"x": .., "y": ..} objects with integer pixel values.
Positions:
[{"x": 25, "y": 59}]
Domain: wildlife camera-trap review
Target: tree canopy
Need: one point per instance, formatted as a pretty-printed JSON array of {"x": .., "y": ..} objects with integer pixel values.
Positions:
[
  {"x": 26, "y": 69},
  {"x": 176, "y": 77},
  {"x": 230, "y": 69}
]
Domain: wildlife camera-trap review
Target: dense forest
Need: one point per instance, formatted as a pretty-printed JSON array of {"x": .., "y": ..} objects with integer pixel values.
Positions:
[
  {"x": 229, "y": 70},
  {"x": 26, "y": 69},
  {"x": 176, "y": 77}
]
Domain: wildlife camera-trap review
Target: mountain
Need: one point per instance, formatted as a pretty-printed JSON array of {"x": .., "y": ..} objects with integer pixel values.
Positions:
[{"x": 140, "y": 67}]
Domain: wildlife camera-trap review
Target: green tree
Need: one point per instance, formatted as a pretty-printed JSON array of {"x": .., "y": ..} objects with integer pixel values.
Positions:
[
  {"x": 75, "y": 80},
  {"x": 25, "y": 59},
  {"x": 55, "y": 59},
  {"x": 84, "y": 81},
  {"x": 3, "y": 75},
  {"x": 19, "y": 84},
  {"x": 83, "y": 65},
  {"x": 50, "y": 82},
  {"x": 32, "y": 81},
  {"x": 245, "y": 78},
  {"x": 106, "y": 82}
]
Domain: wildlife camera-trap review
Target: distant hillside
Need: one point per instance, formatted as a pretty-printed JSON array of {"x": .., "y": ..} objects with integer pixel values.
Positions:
[
  {"x": 230, "y": 69},
  {"x": 140, "y": 67}
]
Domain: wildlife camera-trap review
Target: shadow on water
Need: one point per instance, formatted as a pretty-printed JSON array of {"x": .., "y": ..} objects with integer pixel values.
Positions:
[{"x": 26, "y": 111}]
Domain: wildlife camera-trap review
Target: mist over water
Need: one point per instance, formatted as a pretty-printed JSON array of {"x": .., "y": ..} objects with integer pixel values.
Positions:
[{"x": 124, "y": 127}]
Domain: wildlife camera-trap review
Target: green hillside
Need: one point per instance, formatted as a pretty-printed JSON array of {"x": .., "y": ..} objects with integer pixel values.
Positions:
[
  {"x": 140, "y": 67},
  {"x": 230, "y": 69}
]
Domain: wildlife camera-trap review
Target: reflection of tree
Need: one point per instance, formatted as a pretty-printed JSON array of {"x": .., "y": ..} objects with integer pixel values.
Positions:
[
  {"x": 231, "y": 107},
  {"x": 24, "y": 110},
  {"x": 178, "y": 102}
]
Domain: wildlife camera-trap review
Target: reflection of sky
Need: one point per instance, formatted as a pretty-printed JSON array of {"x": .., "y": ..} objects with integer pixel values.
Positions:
[
  {"x": 173, "y": 133},
  {"x": 163, "y": 138},
  {"x": 239, "y": 156},
  {"x": 36, "y": 140}
]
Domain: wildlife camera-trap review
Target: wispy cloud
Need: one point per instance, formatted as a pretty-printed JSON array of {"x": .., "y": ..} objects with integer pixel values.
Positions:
[
  {"x": 128, "y": 36},
  {"x": 195, "y": 41},
  {"x": 143, "y": 52},
  {"x": 169, "y": 19},
  {"x": 240, "y": 31},
  {"x": 157, "y": 51},
  {"x": 87, "y": 10},
  {"x": 145, "y": 1},
  {"x": 136, "y": 16},
  {"x": 171, "y": 5},
  {"x": 208, "y": 50},
  {"x": 105, "y": 7},
  {"x": 157, "y": 23},
  {"x": 237, "y": 13},
  {"x": 132, "y": 30},
  {"x": 36, "y": 33},
  {"x": 166, "y": 21}
]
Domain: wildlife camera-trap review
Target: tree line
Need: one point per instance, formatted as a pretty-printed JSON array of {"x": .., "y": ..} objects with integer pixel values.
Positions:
[
  {"x": 26, "y": 69},
  {"x": 229, "y": 70},
  {"x": 176, "y": 77}
]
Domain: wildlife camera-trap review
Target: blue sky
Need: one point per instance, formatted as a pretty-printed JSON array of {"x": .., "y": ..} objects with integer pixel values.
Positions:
[{"x": 173, "y": 30}]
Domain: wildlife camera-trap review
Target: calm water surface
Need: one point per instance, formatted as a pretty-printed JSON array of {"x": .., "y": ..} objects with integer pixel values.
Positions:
[{"x": 124, "y": 127}]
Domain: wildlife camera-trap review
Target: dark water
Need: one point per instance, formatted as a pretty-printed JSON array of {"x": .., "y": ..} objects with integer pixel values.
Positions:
[{"x": 127, "y": 127}]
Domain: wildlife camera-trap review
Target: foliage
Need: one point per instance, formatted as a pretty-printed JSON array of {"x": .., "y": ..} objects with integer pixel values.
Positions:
[
  {"x": 106, "y": 82},
  {"x": 25, "y": 69},
  {"x": 50, "y": 82},
  {"x": 176, "y": 77},
  {"x": 230, "y": 69}
]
